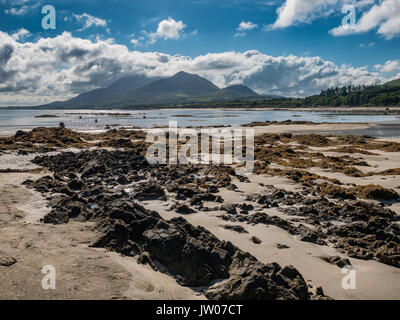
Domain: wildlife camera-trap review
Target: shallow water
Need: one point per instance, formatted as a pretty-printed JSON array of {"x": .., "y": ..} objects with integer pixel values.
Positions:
[{"x": 92, "y": 119}]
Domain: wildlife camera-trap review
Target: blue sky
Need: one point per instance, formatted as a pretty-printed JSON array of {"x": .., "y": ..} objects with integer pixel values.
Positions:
[{"x": 195, "y": 28}]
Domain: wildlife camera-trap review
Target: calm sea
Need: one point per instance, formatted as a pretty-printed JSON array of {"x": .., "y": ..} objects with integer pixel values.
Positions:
[{"x": 11, "y": 120}]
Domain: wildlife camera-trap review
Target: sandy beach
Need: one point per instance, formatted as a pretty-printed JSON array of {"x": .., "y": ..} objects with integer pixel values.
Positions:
[
  {"x": 199, "y": 159},
  {"x": 52, "y": 213}
]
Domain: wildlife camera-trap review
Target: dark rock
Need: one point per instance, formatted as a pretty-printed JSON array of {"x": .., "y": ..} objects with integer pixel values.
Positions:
[
  {"x": 338, "y": 261},
  {"x": 94, "y": 167},
  {"x": 319, "y": 292},
  {"x": 144, "y": 258},
  {"x": 184, "y": 209},
  {"x": 6, "y": 260},
  {"x": 229, "y": 208},
  {"x": 282, "y": 246},
  {"x": 249, "y": 281},
  {"x": 148, "y": 191},
  {"x": 75, "y": 185},
  {"x": 246, "y": 207},
  {"x": 20, "y": 134},
  {"x": 56, "y": 217},
  {"x": 122, "y": 180},
  {"x": 235, "y": 228},
  {"x": 256, "y": 240}
]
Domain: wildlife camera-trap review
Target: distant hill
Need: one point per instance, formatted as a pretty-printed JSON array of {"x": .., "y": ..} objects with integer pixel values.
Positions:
[
  {"x": 178, "y": 88},
  {"x": 123, "y": 86},
  {"x": 141, "y": 91},
  {"x": 234, "y": 92},
  {"x": 394, "y": 83},
  {"x": 182, "y": 83},
  {"x": 387, "y": 94}
]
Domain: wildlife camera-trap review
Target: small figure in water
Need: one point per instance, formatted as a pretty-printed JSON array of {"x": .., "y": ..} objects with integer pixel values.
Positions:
[
  {"x": 95, "y": 120},
  {"x": 62, "y": 125}
]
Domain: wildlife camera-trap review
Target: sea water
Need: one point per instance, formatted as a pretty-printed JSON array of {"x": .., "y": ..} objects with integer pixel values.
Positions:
[{"x": 92, "y": 120}]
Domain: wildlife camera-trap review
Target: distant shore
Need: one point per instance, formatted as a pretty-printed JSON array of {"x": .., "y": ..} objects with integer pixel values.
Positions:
[{"x": 353, "y": 110}]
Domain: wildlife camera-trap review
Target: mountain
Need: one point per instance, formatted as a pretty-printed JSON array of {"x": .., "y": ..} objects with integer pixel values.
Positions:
[
  {"x": 233, "y": 93},
  {"x": 178, "y": 88},
  {"x": 142, "y": 91},
  {"x": 182, "y": 83},
  {"x": 123, "y": 86}
]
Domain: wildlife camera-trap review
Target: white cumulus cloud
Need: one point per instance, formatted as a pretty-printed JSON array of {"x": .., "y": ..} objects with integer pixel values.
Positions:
[
  {"x": 244, "y": 27},
  {"x": 389, "y": 66},
  {"x": 293, "y": 12},
  {"x": 168, "y": 29},
  {"x": 380, "y": 15},
  {"x": 21, "y": 34},
  {"x": 87, "y": 20},
  {"x": 59, "y": 68},
  {"x": 135, "y": 42},
  {"x": 383, "y": 17}
]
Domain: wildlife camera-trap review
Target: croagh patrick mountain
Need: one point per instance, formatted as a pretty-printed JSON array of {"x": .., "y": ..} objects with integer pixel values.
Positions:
[{"x": 139, "y": 90}]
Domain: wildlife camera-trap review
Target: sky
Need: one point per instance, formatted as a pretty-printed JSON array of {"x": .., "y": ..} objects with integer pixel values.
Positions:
[{"x": 288, "y": 47}]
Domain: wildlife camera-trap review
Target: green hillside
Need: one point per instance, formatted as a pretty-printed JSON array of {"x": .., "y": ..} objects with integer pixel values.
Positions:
[
  {"x": 387, "y": 95},
  {"x": 394, "y": 83}
]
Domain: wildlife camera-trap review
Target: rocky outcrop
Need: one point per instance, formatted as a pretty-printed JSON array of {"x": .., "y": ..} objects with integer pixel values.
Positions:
[
  {"x": 250, "y": 279},
  {"x": 85, "y": 187},
  {"x": 338, "y": 261}
]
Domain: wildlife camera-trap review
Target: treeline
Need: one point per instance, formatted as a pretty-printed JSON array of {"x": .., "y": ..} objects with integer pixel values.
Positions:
[
  {"x": 344, "y": 91},
  {"x": 378, "y": 95},
  {"x": 386, "y": 95}
]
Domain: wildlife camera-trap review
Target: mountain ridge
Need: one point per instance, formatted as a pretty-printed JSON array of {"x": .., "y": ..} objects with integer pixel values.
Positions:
[{"x": 182, "y": 87}]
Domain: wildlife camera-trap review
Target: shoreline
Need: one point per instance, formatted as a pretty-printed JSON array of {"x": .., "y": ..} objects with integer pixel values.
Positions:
[
  {"x": 322, "y": 108},
  {"x": 323, "y": 128},
  {"x": 101, "y": 120}
]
